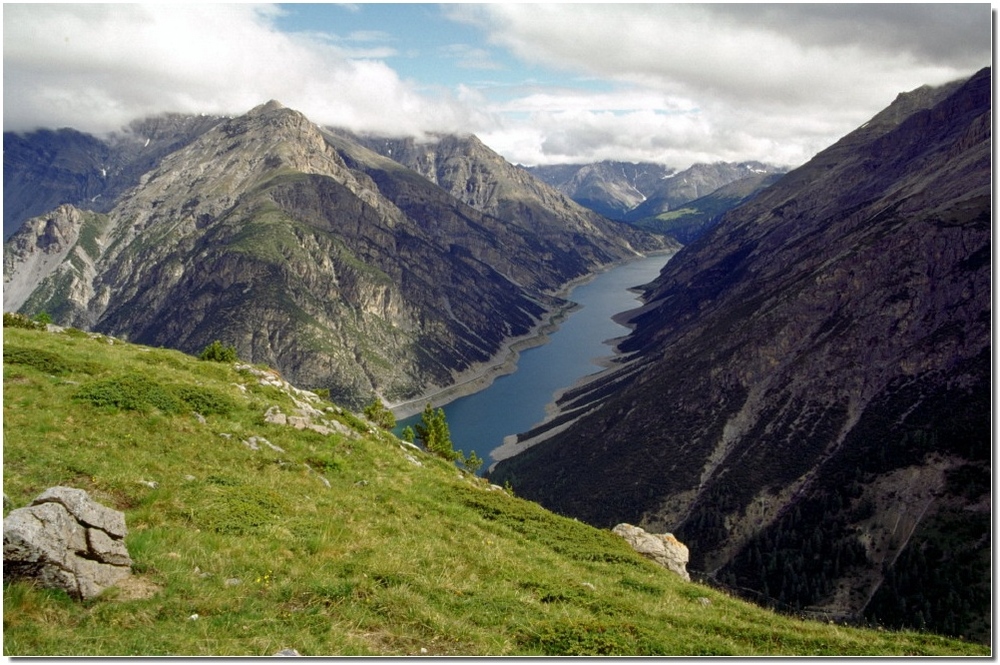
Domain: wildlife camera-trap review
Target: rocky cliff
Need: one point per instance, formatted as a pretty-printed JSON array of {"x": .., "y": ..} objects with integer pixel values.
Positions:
[
  {"x": 45, "y": 169},
  {"x": 312, "y": 254},
  {"x": 807, "y": 402}
]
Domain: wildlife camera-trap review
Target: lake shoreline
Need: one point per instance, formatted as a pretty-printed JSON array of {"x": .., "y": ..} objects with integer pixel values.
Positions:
[{"x": 505, "y": 361}]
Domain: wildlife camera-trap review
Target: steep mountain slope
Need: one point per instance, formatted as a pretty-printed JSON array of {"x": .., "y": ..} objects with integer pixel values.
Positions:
[
  {"x": 249, "y": 537},
  {"x": 359, "y": 276},
  {"x": 477, "y": 176},
  {"x": 45, "y": 169},
  {"x": 808, "y": 402}
]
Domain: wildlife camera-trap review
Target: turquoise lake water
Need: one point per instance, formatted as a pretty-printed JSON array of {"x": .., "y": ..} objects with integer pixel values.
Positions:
[{"x": 515, "y": 402}]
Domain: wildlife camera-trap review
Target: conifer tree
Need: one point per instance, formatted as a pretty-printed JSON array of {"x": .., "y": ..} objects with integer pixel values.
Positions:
[
  {"x": 433, "y": 434},
  {"x": 377, "y": 412}
]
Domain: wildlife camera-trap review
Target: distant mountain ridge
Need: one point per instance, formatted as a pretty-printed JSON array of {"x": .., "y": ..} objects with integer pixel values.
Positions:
[
  {"x": 311, "y": 253},
  {"x": 639, "y": 192},
  {"x": 806, "y": 397}
]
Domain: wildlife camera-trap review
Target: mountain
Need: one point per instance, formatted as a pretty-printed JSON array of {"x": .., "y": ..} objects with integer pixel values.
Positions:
[
  {"x": 251, "y": 535},
  {"x": 805, "y": 400},
  {"x": 45, "y": 169},
  {"x": 639, "y": 193},
  {"x": 306, "y": 251},
  {"x": 610, "y": 188},
  {"x": 694, "y": 183},
  {"x": 475, "y": 175},
  {"x": 694, "y": 218}
]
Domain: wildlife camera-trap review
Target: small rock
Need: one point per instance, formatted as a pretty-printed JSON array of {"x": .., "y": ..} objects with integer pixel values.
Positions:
[
  {"x": 423, "y": 650},
  {"x": 201, "y": 419},
  {"x": 193, "y": 617},
  {"x": 274, "y": 416},
  {"x": 288, "y": 652},
  {"x": 413, "y": 460},
  {"x": 361, "y": 483},
  {"x": 151, "y": 484},
  {"x": 233, "y": 581},
  {"x": 189, "y": 477},
  {"x": 704, "y": 601},
  {"x": 588, "y": 585}
]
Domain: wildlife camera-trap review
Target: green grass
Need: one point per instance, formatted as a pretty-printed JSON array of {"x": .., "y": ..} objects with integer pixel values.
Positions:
[{"x": 391, "y": 558}]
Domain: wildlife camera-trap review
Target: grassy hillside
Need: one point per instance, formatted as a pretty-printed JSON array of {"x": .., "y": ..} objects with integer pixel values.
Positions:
[{"x": 347, "y": 543}]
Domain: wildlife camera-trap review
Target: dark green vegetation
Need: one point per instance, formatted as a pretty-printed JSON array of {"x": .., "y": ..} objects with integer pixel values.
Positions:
[
  {"x": 808, "y": 401},
  {"x": 246, "y": 552}
]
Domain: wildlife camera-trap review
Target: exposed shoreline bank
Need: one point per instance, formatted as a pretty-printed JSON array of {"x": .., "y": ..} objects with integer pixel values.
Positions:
[
  {"x": 505, "y": 360},
  {"x": 616, "y": 363}
]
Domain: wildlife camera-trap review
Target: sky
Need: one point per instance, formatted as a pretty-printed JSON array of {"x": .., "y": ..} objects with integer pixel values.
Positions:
[{"x": 547, "y": 83}]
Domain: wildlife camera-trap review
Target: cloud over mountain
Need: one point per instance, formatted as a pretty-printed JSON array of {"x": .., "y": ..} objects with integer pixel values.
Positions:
[{"x": 550, "y": 83}]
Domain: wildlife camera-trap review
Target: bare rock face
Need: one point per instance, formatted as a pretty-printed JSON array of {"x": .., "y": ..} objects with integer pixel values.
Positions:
[
  {"x": 662, "y": 548},
  {"x": 65, "y": 540}
]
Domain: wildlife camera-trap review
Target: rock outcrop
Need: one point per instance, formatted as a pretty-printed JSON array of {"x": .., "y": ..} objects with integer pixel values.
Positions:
[
  {"x": 65, "y": 540},
  {"x": 663, "y": 548}
]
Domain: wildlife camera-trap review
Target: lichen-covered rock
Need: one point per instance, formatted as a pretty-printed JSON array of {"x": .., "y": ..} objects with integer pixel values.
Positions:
[
  {"x": 65, "y": 540},
  {"x": 662, "y": 548}
]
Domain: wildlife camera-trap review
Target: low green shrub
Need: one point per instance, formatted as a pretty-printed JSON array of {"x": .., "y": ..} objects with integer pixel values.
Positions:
[
  {"x": 136, "y": 392},
  {"x": 41, "y": 360},
  {"x": 215, "y": 352},
  {"x": 239, "y": 510},
  {"x": 13, "y": 320},
  {"x": 205, "y": 401},
  {"x": 129, "y": 392}
]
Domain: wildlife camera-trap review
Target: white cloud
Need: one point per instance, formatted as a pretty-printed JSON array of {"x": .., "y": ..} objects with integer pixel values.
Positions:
[
  {"x": 772, "y": 82},
  {"x": 670, "y": 83},
  {"x": 96, "y": 67}
]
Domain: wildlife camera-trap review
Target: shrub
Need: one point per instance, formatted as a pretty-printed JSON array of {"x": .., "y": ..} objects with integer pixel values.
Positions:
[
  {"x": 240, "y": 510},
  {"x": 205, "y": 401},
  {"x": 215, "y": 352},
  {"x": 11, "y": 320},
  {"x": 43, "y": 361},
  {"x": 130, "y": 392}
]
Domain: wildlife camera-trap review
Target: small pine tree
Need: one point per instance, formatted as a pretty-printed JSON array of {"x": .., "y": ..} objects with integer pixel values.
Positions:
[
  {"x": 377, "y": 412},
  {"x": 433, "y": 434},
  {"x": 473, "y": 462},
  {"x": 408, "y": 434},
  {"x": 43, "y": 318}
]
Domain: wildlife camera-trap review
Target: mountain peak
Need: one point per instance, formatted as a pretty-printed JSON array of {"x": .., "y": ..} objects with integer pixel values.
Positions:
[{"x": 269, "y": 107}]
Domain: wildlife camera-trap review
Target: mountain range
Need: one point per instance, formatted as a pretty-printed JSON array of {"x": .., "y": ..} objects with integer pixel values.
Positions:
[
  {"x": 805, "y": 396},
  {"x": 303, "y": 249},
  {"x": 648, "y": 195}
]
